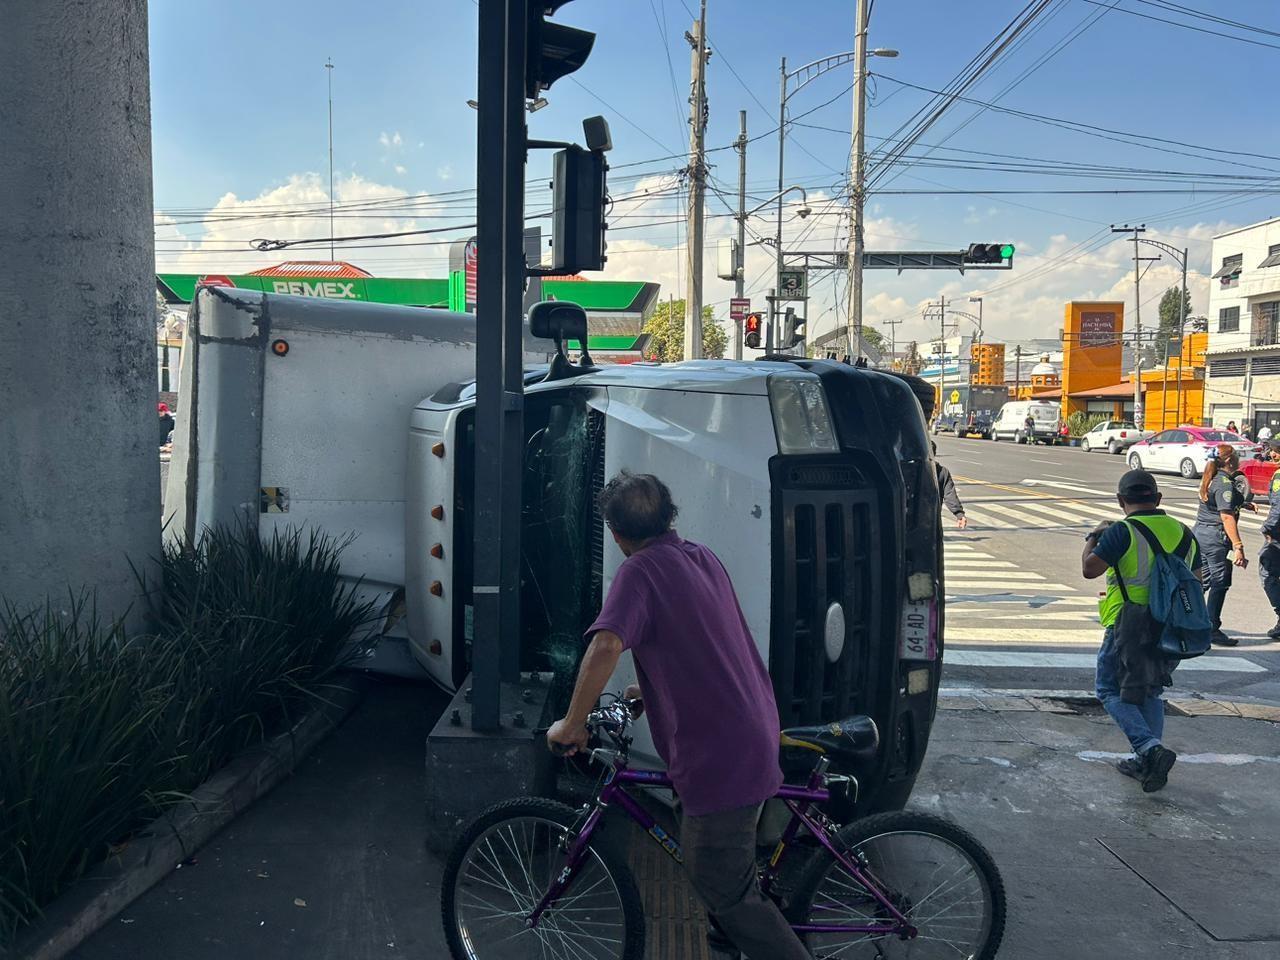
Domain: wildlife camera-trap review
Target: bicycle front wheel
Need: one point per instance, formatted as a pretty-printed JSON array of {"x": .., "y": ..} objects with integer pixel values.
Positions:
[
  {"x": 933, "y": 872},
  {"x": 501, "y": 868}
]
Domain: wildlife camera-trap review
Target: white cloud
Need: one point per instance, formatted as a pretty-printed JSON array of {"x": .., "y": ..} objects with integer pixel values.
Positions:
[
  {"x": 401, "y": 169},
  {"x": 223, "y": 247},
  {"x": 445, "y": 171}
]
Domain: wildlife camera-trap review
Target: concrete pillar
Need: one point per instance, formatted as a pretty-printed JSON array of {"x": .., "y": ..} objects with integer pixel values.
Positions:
[{"x": 79, "y": 477}]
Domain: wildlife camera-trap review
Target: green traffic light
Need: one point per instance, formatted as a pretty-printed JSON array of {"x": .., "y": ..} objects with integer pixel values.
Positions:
[{"x": 1006, "y": 252}]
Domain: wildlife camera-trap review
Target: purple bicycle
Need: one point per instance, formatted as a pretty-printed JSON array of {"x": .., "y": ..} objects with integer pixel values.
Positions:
[{"x": 526, "y": 879}]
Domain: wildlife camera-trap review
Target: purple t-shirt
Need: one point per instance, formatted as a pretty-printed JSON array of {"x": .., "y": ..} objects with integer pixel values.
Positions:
[{"x": 706, "y": 691}]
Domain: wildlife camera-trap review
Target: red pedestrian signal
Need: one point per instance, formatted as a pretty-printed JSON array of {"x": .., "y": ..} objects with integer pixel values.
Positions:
[{"x": 751, "y": 331}]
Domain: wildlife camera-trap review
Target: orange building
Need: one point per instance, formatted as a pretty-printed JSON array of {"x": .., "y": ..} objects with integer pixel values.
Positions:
[
  {"x": 1091, "y": 356},
  {"x": 1174, "y": 392}
]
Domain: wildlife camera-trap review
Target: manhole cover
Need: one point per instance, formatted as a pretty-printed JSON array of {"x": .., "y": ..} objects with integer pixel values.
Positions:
[{"x": 1228, "y": 887}]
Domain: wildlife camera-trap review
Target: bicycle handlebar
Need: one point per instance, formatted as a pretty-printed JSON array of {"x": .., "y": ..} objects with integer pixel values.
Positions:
[{"x": 614, "y": 719}]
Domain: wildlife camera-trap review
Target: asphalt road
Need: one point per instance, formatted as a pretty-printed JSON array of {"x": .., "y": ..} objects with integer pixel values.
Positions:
[{"x": 1020, "y": 615}]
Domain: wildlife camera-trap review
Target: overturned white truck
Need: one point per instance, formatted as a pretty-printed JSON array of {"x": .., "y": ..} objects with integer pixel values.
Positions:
[{"x": 811, "y": 479}]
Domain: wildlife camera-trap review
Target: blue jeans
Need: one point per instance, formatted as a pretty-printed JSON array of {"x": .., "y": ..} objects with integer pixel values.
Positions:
[{"x": 1142, "y": 723}]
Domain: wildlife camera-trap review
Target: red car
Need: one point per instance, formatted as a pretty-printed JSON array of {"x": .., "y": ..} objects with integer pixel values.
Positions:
[
  {"x": 1258, "y": 473},
  {"x": 1185, "y": 450}
]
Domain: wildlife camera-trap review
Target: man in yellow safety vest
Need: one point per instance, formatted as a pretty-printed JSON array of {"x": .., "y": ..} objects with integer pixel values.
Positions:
[{"x": 1128, "y": 682}]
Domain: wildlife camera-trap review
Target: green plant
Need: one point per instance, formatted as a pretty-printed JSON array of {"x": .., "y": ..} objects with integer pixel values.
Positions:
[
  {"x": 1080, "y": 423},
  {"x": 100, "y": 731}
]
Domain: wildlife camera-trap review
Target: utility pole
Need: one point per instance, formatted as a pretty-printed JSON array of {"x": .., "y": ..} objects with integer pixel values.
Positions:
[
  {"x": 328, "y": 69},
  {"x": 942, "y": 343},
  {"x": 1017, "y": 370},
  {"x": 777, "y": 236},
  {"x": 740, "y": 265},
  {"x": 697, "y": 186},
  {"x": 858, "y": 167},
  {"x": 893, "y": 338},
  {"x": 1137, "y": 320}
]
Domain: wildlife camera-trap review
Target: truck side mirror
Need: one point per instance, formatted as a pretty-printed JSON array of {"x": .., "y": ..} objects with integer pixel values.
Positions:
[{"x": 558, "y": 321}]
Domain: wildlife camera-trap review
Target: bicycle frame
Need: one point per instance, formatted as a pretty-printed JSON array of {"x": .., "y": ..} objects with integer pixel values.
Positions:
[{"x": 799, "y": 800}]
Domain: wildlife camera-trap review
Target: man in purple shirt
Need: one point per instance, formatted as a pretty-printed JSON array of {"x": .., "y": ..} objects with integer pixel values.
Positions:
[{"x": 710, "y": 703}]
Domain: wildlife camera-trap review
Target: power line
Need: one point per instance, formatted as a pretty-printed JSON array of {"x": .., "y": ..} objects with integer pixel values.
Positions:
[{"x": 1188, "y": 26}]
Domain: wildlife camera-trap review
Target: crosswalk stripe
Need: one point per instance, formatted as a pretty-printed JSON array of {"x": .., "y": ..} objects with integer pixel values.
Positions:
[
  {"x": 1036, "y": 585},
  {"x": 1084, "y": 661},
  {"x": 999, "y": 576},
  {"x": 984, "y": 519},
  {"x": 956, "y": 602},
  {"x": 1043, "y": 615},
  {"x": 1079, "y": 635},
  {"x": 969, "y": 563},
  {"x": 1021, "y": 517}
]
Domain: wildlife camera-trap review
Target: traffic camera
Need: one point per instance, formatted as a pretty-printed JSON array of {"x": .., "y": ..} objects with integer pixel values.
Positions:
[{"x": 751, "y": 331}]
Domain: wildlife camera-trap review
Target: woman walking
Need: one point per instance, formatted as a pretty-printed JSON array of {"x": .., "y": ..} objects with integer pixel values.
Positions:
[{"x": 1217, "y": 532}]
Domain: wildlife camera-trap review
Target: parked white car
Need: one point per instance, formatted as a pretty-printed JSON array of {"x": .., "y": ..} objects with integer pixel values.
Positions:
[
  {"x": 1113, "y": 436},
  {"x": 1185, "y": 450}
]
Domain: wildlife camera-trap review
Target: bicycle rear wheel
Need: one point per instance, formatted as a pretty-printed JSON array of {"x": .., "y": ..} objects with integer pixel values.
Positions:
[
  {"x": 500, "y": 870},
  {"x": 936, "y": 874}
]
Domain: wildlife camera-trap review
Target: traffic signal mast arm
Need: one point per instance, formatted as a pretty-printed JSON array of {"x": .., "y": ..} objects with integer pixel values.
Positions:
[{"x": 977, "y": 256}]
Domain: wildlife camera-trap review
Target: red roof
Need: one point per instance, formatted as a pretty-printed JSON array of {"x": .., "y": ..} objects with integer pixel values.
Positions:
[{"x": 313, "y": 268}]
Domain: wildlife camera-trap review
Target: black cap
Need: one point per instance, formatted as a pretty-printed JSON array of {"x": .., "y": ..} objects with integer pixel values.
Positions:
[
  {"x": 1274, "y": 444},
  {"x": 1138, "y": 485}
]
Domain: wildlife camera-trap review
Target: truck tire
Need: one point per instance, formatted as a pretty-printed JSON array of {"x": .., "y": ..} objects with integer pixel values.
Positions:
[
  {"x": 1084, "y": 444},
  {"x": 959, "y": 432},
  {"x": 1113, "y": 447},
  {"x": 995, "y": 437}
]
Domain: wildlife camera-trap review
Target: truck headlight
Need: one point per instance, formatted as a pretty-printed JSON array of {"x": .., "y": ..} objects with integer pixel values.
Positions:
[{"x": 800, "y": 416}]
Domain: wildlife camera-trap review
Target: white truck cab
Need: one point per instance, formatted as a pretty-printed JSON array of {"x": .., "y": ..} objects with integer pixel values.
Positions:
[{"x": 811, "y": 480}]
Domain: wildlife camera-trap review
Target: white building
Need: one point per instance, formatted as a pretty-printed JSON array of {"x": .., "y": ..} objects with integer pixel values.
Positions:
[{"x": 1243, "y": 378}]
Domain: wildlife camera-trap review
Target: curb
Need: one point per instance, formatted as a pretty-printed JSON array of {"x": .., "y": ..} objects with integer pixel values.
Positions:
[
  {"x": 1186, "y": 704},
  {"x": 96, "y": 898}
]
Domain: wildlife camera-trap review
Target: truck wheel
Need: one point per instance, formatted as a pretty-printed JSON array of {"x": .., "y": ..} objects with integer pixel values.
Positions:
[
  {"x": 1113, "y": 448},
  {"x": 959, "y": 432},
  {"x": 995, "y": 437},
  {"x": 1188, "y": 469},
  {"x": 1084, "y": 444}
]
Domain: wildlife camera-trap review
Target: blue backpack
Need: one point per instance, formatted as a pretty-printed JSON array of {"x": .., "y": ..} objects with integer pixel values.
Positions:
[{"x": 1181, "y": 627}]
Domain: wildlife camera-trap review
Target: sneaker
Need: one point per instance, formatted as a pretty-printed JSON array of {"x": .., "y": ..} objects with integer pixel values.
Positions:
[
  {"x": 1274, "y": 632},
  {"x": 1130, "y": 767},
  {"x": 1157, "y": 762},
  {"x": 1220, "y": 639}
]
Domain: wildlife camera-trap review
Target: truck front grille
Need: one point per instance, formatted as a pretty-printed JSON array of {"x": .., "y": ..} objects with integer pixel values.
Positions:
[{"x": 829, "y": 541}]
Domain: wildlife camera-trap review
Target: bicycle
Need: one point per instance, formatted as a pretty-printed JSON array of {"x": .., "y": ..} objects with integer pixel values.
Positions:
[{"x": 526, "y": 879}]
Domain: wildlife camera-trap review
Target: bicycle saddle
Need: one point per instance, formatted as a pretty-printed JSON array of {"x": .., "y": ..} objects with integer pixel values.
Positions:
[{"x": 851, "y": 740}]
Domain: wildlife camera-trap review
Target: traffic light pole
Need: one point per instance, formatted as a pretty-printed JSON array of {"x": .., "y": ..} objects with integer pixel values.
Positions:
[{"x": 499, "y": 430}]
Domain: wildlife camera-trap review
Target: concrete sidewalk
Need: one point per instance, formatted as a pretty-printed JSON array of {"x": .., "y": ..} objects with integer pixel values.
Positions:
[{"x": 332, "y": 863}]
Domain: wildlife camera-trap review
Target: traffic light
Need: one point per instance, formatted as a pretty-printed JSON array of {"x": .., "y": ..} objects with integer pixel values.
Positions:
[
  {"x": 792, "y": 329},
  {"x": 988, "y": 253},
  {"x": 553, "y": 50},
  {"x": 751, "y": 331},
  {"x": 578, "y": 197}
]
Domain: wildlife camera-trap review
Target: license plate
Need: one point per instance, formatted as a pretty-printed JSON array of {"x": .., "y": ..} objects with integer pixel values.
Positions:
[{"x": 918, "y": 639}]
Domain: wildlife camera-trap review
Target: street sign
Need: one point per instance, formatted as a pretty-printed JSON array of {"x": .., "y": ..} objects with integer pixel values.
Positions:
[
  {"x": 739, "y": 308},
  {"x": 791, "y": 285}
]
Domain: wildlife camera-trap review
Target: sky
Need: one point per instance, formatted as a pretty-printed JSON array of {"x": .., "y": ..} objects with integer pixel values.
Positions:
[{"x": 240, "y": 140}]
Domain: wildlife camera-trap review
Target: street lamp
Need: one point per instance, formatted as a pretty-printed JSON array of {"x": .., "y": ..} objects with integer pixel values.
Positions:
[
  {"x": 1179, "y": 257},
  {"x": 806, "y": 74},
  {"x": 803, "y": 212},
  {"x": 978, "y": 301}
]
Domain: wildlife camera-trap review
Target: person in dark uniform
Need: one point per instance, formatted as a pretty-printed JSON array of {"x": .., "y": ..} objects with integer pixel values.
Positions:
[
  {"x": 1269, "y": 558},
  {"x": 1218, "y": 533},
  {"x": 947, "y": 487}
]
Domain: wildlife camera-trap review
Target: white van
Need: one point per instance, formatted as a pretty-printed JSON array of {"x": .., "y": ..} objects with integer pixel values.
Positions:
[{"x": 1010, "y": 422}]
